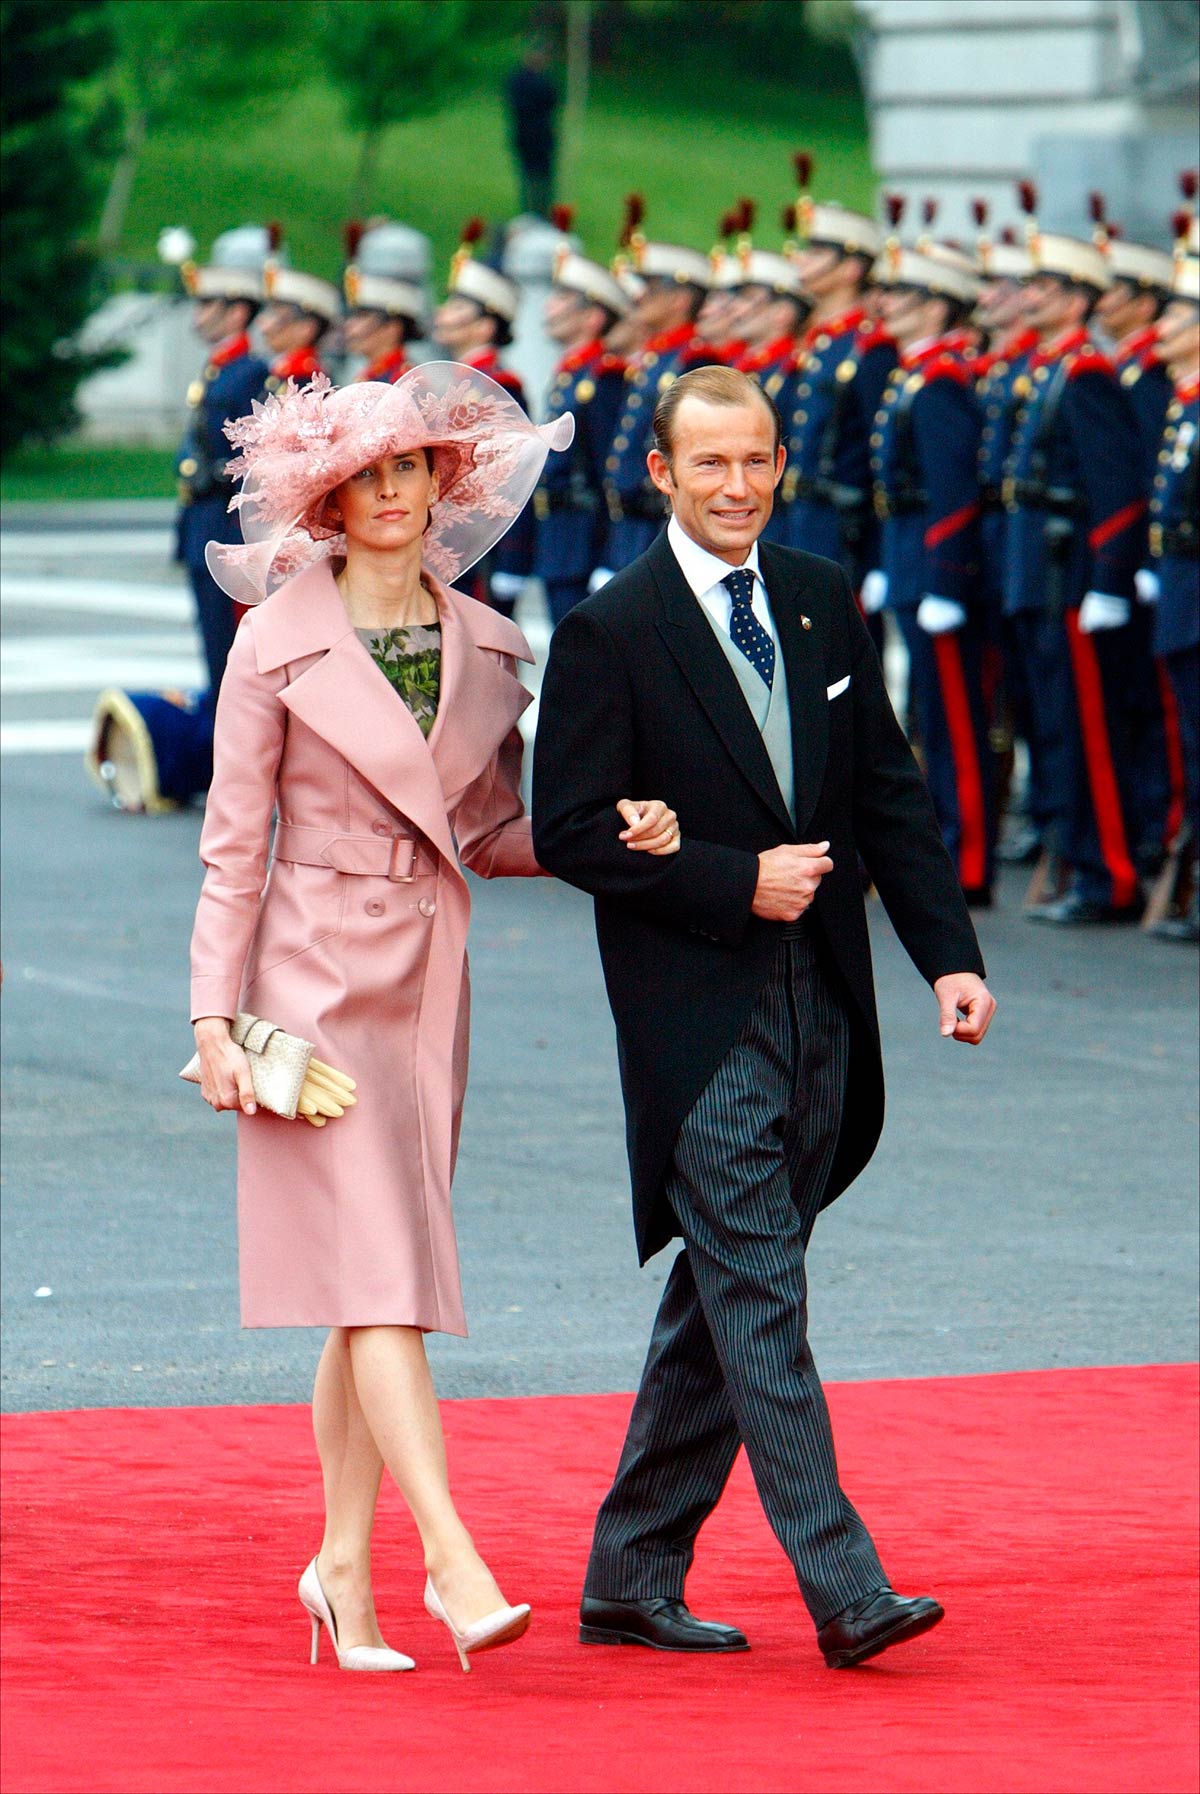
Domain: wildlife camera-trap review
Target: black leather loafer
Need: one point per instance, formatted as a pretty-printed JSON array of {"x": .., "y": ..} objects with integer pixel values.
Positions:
[
  {"x": 870, "y": 1626},
  {"x": 662, "y": 1624}
]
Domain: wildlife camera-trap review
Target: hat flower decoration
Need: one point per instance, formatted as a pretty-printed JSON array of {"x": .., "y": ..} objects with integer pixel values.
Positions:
[{"x": 297, "y": 445}]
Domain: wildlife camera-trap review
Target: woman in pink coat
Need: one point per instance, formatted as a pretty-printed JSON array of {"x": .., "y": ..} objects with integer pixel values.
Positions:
[{"x": 372, "y": 711}]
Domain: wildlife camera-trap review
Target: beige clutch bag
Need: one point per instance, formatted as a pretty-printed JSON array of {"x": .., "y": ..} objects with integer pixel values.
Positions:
[{"x": 287, "y": 1079}]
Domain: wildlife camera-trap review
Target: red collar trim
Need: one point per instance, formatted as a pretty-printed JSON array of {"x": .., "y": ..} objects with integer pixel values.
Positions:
[
  {"x": 941, "y": 346},
  {"x": 758, "y": 359},
  {"x": 484, "y": 361},
  {"x": 1138, "y": 346},
  {"x": 298, "y": 364},
  {"x": 389, "y": 366},
  {"x": 582, "y": 357},
  {"x": 839, "y": 326},
  {"x": 232, "y": 349},
  {"x": 1062, "y": 345},
  {"x": 1021, "y": 342},
  {"x": 1188, "y": 389},
  {"x": 668, "y": 340}
]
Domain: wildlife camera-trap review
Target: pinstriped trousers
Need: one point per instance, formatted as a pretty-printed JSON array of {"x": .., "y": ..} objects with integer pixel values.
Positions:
[{"x": 729, "y": 1361}]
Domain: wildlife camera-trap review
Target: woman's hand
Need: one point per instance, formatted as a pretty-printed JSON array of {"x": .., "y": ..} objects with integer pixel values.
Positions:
[
  {"x": 652, "y": 827},
  {"x": 225, "y": 1080}
]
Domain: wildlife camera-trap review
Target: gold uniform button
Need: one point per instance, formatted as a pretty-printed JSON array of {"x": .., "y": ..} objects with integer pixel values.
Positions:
[
  {"x": 621, "y": 443},
  {"x": 635, "y": 400},
  {"x": 1160, "y": 480},
  {"x": 188, "y": 467},
  {"x": 611, "y": 463},
  {"x": 1131, "y": 375},
  {"x": 823, "y": 341},
  {"x": 803, "y": 391},
  {"x": 651, "y": 360},
  {"x": 586, "y": 391},
  {"x": 665, "y": 380},
  {"x": 1164, "y": 455},
  {"x": 1041, "y": 374},
  {"x": 195, "y": 392},
  {"x": 876, "y": 439},
  {"x": 802, "y": 417}
]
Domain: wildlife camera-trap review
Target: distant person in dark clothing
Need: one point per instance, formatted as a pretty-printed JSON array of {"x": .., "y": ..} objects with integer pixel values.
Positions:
[{"x": 532, "y": 98}]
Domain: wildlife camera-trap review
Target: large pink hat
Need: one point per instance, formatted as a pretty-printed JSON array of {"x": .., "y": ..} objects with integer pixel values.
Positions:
[{"x": 302, "y": 442}]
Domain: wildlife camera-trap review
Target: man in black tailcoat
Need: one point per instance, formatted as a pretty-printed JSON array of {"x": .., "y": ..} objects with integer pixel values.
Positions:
[{"x": 735, "y": 679}]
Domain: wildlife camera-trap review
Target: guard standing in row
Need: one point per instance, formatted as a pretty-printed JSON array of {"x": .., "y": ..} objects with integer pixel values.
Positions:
[
  {"x": 300, "y": 311},
  {"x": 774, "y": 307},
  {"x": 676, "y": 280},
  {"x": 925, "y": 452},
  {"x": 1076, "y": 502},
  {"x": 473, "y": 323},
  {"x": 584, "y": 302},
  {"x": 384, "y": 311},
  {"x": 842, "y": 365},
  {"x": 1175, "y": 556},
  {"x": 152, "y": 751}
]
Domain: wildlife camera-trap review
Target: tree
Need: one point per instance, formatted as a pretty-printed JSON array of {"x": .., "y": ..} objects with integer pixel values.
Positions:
[
  {"x": 48, "y": 196},
  {"x": 391, "y": 60},
  {"x": 211, "y": 56}
]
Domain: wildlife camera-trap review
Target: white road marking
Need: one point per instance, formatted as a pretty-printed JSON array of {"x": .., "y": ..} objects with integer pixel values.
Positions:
[
  {"x": 170, "y": 604},
  {"x": 100, "y": 544},
  {"x": 37, "y": 737}
]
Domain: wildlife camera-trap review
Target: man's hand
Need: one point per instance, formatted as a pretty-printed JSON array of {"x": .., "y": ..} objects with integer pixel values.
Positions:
[
  {"x": 788, "y": 878},
  {"x": 651, "y": 826},
  {"x": 966, "y": 994}
]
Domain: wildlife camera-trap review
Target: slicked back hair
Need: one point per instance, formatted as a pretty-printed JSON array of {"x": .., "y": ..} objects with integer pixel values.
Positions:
[{"x": 713, "y": 386}]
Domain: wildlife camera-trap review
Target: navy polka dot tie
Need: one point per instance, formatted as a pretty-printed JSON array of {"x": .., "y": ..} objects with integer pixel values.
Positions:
[{"x": 745, "y": 630}]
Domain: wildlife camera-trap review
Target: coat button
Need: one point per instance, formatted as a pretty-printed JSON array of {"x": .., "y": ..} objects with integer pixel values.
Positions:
[
  {"x": 374, "y": 907},
  {"x": 380, "y": 828},
  {"x": 427, "y": 906}
]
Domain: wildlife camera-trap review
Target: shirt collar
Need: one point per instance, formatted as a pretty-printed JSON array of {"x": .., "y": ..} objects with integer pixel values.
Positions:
[{"x": 701, "y": 569}]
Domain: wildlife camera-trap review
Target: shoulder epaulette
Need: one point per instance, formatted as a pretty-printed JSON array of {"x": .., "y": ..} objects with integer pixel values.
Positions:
[
  {"x": 947, "y": 367},
  {"x": 612, "y": 364},
  {"x": 872, "y": 335},
  {"x": 1087, "y": 361}
]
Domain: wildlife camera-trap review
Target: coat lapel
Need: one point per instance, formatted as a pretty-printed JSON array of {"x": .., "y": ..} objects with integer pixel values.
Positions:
[
  {"x": 804, "y": 659},
  {"x": 690, "y": 640},
  {"x": 481, "y": 701}
]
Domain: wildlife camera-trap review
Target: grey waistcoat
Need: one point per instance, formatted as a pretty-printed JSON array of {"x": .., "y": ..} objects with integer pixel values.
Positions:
[{"x": 769, "y": 709}]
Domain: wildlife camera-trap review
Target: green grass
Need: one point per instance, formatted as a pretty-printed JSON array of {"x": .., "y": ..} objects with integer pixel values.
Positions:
[
  {"x": 73, "y": 472},
  {"x": 689, "y": 140}
]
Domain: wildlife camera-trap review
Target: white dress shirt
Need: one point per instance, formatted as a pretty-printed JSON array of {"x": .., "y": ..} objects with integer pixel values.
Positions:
[{"x": 704, "y": 573}]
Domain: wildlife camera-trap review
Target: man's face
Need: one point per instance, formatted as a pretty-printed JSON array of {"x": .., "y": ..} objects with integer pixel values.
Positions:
[
  {"x": 1123, "y": 308},
  {"x": 459, "y": 325},
  {"x": 286, "y": 328},
  {"x": 722, "y": 474},
  {"x": 209, "y": 320},
  {"x": 1001, "y": 305},
  {"x": 663, "y": 306},
  {"x": 911, "y": 316},
  {"x": 566, "y": 316},
  {"x": 1053, "y": 306},
  {"x": 1178, "y": 334}
]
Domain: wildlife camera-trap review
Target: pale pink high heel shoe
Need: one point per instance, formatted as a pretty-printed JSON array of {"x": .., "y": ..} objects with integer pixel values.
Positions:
[
  {"x": 502, "y": 1627},
  {"x": 371, "y": 1657}
]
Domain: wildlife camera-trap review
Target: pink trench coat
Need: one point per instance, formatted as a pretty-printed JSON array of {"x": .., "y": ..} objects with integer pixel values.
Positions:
[{"x": 356, "y": 940}]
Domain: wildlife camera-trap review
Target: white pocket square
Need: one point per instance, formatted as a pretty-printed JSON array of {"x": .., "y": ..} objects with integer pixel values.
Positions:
[{"x": 838, "y": 687}]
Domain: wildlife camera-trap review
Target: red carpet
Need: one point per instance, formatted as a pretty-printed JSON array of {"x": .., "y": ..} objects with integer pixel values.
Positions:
[{"x": 153, "y": 1641}]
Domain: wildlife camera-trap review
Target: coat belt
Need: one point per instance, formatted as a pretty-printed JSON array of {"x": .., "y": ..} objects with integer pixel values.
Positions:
[{"x": 392, "y": 855}]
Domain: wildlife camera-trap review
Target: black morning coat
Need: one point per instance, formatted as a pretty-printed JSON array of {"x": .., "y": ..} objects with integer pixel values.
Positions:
[{"x": 639, "y": 701}]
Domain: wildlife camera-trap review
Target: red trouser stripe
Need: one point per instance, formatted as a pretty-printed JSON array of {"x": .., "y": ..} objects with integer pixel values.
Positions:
[
  {"x": 972, "y": 821},
  {"x": 1097, "y": 753},
  {"x": 1175, "y": 766}
]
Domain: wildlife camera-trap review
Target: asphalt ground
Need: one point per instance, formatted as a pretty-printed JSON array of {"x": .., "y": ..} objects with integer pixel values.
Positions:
[{"x": 1033, "y": 1202}]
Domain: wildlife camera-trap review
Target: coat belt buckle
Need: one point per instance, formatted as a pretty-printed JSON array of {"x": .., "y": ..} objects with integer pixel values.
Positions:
[{"x": 402, "y": 878}]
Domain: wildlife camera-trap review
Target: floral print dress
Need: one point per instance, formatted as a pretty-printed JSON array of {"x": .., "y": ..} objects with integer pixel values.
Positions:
[{"x": 410, "y": 659}]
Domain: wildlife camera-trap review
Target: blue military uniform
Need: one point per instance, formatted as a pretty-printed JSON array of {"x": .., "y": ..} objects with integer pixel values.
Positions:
[
  {"x": 634, "y": 504},
  {"x": 230, "y": 381},
  {"x": 924, "y": 455},
  {"x": 568, "y": 504},
  {"x": 1175, "y": 551},
  {"x": 824, "y": 502},
  {"x": 1076, "y": 502}
]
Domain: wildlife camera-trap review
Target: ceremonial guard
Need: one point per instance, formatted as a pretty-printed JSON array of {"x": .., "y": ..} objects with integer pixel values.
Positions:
[
  {"x": 384, "y": 311},
  {"x": 676, "y": 280},
  {"x": 773, "y": 309},
  {"x": 1001, "y": 380},
  {"x": 1175, "y": 562},
  {"x": 841, "y": 369},
  {"x": 152, "y": 751},
  {"x": 924, "y": 458},
  {"x": 473, "y": 323},
  {"x": 583, "y": 304},
  {"x": 300, "y": 310},
  {"x": 1076, "y": 501}
]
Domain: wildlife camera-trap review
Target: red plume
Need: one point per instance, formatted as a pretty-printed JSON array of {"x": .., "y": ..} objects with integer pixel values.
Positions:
[
  {"x": 1096, "y": 207},
  {"x": 1008, "y": 234},
  {"x": 1027, "y": 197},
  {"x": 929, "y": 211},
  {"x": 473, "y": 229},
  {"x": 979, "y": 211},
  {"x": 727, "y": 225},
  {"x": 635, "y": 210},
  {"x": 1180, "y": 223},
  {"x": 274, "y": 236},
  {"x": 562, "y": 217},
  {"x": 747, "y": 213},
  {"x": 802, "y": 162},
  {"x": 1113, "y": 230},
  {"x": 787, "y": 220},
  {"x": 1189, "y": 183},
  {"x": 352, "y": 235},
  {"x": 894, "y": 204}
]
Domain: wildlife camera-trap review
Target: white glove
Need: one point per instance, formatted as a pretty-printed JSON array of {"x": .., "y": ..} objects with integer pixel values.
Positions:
[
  {"x": 874, "y": 591},
  {"x": 1100, "y": 610},
  {"x": 600, "y": 577},
  {"x": 1147, "y": 584},
  {"x": 938, "y": 616},
  {"x": 507, "y": 587}
]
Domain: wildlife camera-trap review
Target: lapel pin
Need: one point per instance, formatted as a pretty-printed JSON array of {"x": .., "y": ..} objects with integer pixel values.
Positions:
[{"x": 805, "y": 622}]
